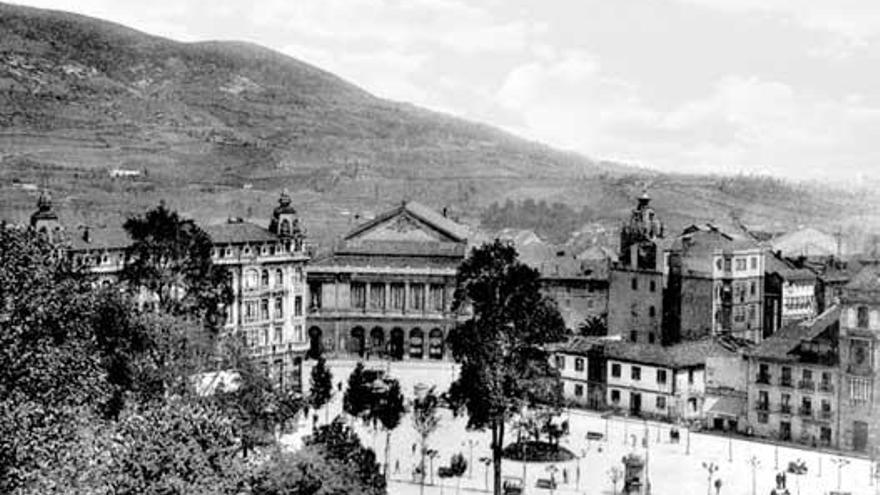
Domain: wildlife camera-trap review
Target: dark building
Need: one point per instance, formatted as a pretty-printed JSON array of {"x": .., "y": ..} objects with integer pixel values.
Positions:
[{"x": 635, "y": 299}]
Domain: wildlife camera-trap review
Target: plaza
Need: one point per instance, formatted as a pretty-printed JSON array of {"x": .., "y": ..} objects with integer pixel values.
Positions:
[{"x": 672, "y": 468}]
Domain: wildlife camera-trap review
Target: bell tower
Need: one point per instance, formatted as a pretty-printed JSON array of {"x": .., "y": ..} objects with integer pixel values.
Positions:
[
  {"x": 45, "y": 220},
  {"x": 285, "y": 221},
  {"x": 639, "y": 235}
]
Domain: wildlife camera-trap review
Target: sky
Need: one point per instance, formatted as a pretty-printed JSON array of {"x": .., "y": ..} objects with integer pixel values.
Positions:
[{"x": 782, "y": 87}]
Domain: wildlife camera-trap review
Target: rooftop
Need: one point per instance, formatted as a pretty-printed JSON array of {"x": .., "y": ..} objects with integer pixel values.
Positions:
[
  {"x": 781, "y": 345},
  {"x": 239, "y": 232},
  {"x": 683, "y": 355},
  {"x": 99, "y": 238}
]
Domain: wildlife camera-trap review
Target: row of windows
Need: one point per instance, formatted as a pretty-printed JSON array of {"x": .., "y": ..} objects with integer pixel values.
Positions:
[
  {"x": 660, "y": 376},
  {"x": 372, "y": 296},
  {"x": 659, "y": 401},
  {"x": 786, "y": 378},
  {"x": 652, "y": 285},
  {"x": 634, "y": 336},
  {"x": 258, "y": 310},
  {"x": 739, "y": 263},
  {"x": 254, "y": 278},
  {"x": 270, "y": 249},
  {"x": 578, "y": 363},
  {"x": 785, "y": 406},
  {"x": 267, "y": 336}
]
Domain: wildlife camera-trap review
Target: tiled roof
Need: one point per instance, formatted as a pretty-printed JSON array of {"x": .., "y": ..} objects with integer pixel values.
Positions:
[
  {"x": 578, "y": 345},
  {"x": 100, "y": 238},
  {"x": 780, "y": 346},
  {"x": 786, "y": 269},
  {"x": 239, "y": 233},
  {"x": 868, "y": 279},
  {"x": 361, "y": 261},
  {"x": 683, "y": 355}
]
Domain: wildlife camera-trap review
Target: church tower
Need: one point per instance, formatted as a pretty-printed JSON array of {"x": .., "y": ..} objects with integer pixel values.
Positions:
[
  {"x": 285, "y": 222},
  {"x": 45, "y": 220},
  {"x": 638, "y": 248}
]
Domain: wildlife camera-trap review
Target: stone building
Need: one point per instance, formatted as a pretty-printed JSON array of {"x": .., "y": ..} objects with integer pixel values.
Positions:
[
  {"x": 267, "y": 268},
  {"x": 793, "y": 378},
  {"x": 859, "y": 355},
  {"x": 636, "y": 282},
  {"x": 385, "y": 289},
  {"x": 581, "y": 367}
]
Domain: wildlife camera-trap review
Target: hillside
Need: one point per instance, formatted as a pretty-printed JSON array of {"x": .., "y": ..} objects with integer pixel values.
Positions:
[{"x": 217, "y": 128}]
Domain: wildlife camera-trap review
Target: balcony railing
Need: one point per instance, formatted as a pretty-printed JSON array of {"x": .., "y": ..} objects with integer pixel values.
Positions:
[
  {"x": 825, "y": 414},
  {"x": 786, "y": 382},
  {"x": 763, "y": 378},
  {"x": 806, "y": 385},
  {"x": 826, "y": 387},
  {"x": 762, "y": 406},
  {"x": 785, "y": 409},
  {"x": 805, "y": 412}
]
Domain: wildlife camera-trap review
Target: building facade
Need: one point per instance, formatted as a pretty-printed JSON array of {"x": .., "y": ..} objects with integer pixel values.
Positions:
[
  {"x": 636, "y": 282},
  {"x": 581, "y": 367},
  {"x": 267, "y": 268},
  {"x": 385, "y": 290},
  {"x": 859, "y": 354},
  {"x": 793, "y": 379}
]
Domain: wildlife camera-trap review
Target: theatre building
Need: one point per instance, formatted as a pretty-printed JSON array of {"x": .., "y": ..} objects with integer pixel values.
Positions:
[{"x": 385, "y": 289}]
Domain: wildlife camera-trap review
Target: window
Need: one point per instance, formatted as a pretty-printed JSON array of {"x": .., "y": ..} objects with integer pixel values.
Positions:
[
  {"x": 636, "y": 373},
  {"x": 417, "y": 299},
  {"x": 578, "y": 390},
  {"x": 652, "y": 312},
  {"x": 264, "y": 278},
  {"x": 718, "y": 264},
  {"x": 825, "y": 435},
  {"x": 279, "y": 334},
  {"x": 227, "y": 252},
  {"x": 807, "y": 375},
  {"x": 579, "y": 364},
  {"x": 265, "y": 336},
  {"x": 652, "y": 286},
  {"x": 661, "y": 403},
  {"x": 754, "y": 263},
  {"x": 279, "y": 307},
  {"x": 862, "y": 317},
  {"x": 727, "y": 264},
  {"x": 250, "y": 311},
  {"x": 437, "y": 296},
  {"x": 264, "y": 309},
  {"x": 635, "y": 284},
  {"x": 398, "y": 296},
  {"x": 633, "y": 336},
  {"x": 272, "y": 249},
  {"x": 560, "y": 362},
  {"x": 298, "y": 333},
  {"x": 763, "y": 400},
  {"x": 690, "y": 377},
  {"x": 859, "y": 390},
  {"x": 785, "y": 400},
  {"x": 297, "y": 306},
  {"x": 250, "y": 279},
  {"x": 615, "y": 370},
  {"x": 785, "y": 381},
  {"x": 740, "y": 264},
  {"x": 315, "y": 292},
  {"x": 763, "y": 418},
  {"x": 806, "y": 406},
  {"x": 358, "y": 295},
  {"x": 297, "y": 275},
  {"x": 651, "y": 337},
  {"x": 763, "y": 373},
  {"x": 661, "y": 376},
  {"x": 753, "y": 288},
  {"x": 615, "y": 396},
  {"x": 279, "y": 277},
  {"x": 377, "y": 296}
]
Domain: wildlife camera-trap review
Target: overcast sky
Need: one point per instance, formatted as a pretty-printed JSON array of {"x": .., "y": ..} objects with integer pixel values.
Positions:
[{"x": 779, "y": 86}]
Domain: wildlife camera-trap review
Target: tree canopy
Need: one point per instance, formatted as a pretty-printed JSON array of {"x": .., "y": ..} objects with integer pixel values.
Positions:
[{"x": 504, "y": 366}]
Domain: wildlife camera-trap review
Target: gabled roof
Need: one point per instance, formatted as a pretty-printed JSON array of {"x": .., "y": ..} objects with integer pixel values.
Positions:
[
  {"x": 455, "y": 231},
  {"x": 868, "y": 279},
  {"x": 239, "y": 233},
  {"x": 100, "y": 238},
  {"x": 786, "y": 269},
  {"x": 782, "y": 345},
  {"x": 686, "y": 354}
]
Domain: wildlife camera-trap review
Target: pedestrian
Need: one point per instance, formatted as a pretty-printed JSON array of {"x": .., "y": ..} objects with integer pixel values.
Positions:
[
  {"x": 396, "y": 466},
  {"x": 414, "y": 449},
  {"x": 564, "y": 476}
]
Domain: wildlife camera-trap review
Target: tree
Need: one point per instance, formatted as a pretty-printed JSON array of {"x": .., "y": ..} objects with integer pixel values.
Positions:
[
  {"x": 170, "y": 258},
  {"x": 355, "y": 401},
  {"x": 457, "y": 467},
  {"x": 341, "y": 444},
  {"x": 593, "y": 326},
  {"x": 425, "y": 421},
  {"x": 321, "y": 389},
  {"x": 308, "y": 471},
  {"x": 504, "y": 366},
  {"x": 387, "y": 409},
  {"x": 797, "y": 468}
]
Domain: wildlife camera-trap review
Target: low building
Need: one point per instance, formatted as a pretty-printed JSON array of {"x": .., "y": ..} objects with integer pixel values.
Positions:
[
  {"x": 725, "y": 406},
  {"x": 793, "y": 376},
  {"x": 581, "y": 367},
  {"x": 385, "y": 289}
]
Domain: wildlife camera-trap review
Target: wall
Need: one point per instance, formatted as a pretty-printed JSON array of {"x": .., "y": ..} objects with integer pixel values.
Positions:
[{"x": 629, "y": 309}]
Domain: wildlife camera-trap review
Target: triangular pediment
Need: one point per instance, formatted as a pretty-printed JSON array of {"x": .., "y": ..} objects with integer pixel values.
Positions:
[{"x": 402, "y": 226}]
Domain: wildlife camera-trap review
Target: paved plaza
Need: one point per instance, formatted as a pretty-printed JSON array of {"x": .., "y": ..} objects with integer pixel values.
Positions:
[{"x": 673, "y": 468}]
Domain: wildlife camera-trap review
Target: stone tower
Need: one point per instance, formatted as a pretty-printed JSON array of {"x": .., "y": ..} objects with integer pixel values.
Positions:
[
  {"x": 638, "y": 248},
  {"x": 45, "y": 220},
  {"x": 285, "y": 221}
]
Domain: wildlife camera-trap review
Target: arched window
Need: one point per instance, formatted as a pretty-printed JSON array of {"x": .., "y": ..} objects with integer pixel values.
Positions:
[
  {"x": 435, "y": 339},
  {"x": 265, "y": 278},
  {"x": 862, "y": 317},
  {"x": 279, "y": 277},
  {"x": 250, "y": 279},
  {"x": 416, "y": 343},
  {"x": 285, "y": 227}
]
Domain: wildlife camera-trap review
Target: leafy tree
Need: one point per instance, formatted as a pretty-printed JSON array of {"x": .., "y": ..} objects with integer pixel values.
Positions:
[
  {"x": 504, "y": 366},
  {"x": 593, "y": 326},
  {"x": 321, "y": 390},
  {"x": 340, "y": 443},
  {"x": 357, "y": 396},
  {"x": 387, "y": 410},
  {"x": 170, "y": 257},
  {"x": 308, "y": 471},
  {"x": 457, "y": 467},
  {"x": 425, "y": 421}
]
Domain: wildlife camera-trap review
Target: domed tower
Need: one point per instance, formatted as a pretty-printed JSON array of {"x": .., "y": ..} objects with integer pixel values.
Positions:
[
  {"x": 45, "y": 219},
  {"x": 285, "y": 222},
  {"x": 638, "y": 248}
]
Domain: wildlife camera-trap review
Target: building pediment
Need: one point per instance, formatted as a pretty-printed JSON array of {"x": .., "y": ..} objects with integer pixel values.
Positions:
[{"x": 408, "y": 223}]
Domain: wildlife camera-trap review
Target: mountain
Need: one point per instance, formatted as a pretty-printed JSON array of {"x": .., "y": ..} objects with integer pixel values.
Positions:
[{"x": 217, "y": 128}]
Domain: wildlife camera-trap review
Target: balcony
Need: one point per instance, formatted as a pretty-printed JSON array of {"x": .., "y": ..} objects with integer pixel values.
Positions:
[
  {"x": 826, "y": 387},
  {"x": 807, "y": 385},
  {"x": 825, "y": 415},
  {"x": 786, "y": 382},
  {"x": 763, "y": 379},
  {"x": 762, "y": 406},
  {"x": 785, "y": 409},
  {"x": 805, "y": 412}
]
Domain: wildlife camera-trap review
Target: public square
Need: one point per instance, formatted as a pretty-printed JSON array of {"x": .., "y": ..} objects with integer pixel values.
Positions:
[{"x": 673, "y": 468}]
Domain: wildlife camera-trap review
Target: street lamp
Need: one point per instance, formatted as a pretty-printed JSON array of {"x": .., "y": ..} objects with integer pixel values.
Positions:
[
  {"x": 710, "y": 468},
  {"x": 486, "y": 461},
  {"x": 754, "y": 463},
  {"x": 841, "y": 463},
  {"x": 470, "y": 443}
]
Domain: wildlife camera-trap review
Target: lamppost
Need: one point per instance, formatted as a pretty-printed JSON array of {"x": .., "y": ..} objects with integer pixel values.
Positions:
[
  {"x": 486, "y": 461},
  {"x": 754, "y": 463},
  {"x": 577, "y": 474},
  {"x": 710, "y": 468},
  {"x": 729, "y": 447},
  {"x": 647, "y": 488},
  {"x": 841, "y": 463}
]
